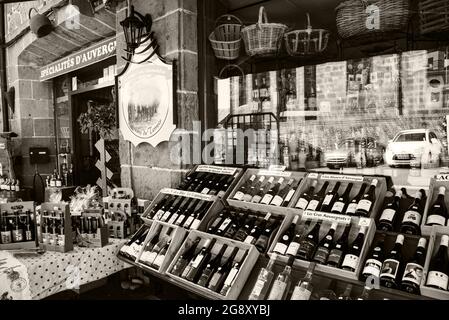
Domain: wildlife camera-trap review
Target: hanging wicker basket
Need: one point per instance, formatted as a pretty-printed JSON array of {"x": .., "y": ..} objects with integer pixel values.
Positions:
[
  {"x": 263, "y": 38},
  {"x": 353, "y": 17},
  {"x": 307, "y": 41},
  {"x": 226, "y": 37}
]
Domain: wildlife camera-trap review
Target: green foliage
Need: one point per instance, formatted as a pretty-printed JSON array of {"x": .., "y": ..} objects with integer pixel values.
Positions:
[{"x": 99, "y": 118}]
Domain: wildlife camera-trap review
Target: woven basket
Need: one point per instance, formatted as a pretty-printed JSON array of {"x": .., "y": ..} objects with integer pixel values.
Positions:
[
  {"x": 433, "y": 15},
  {"x": 263, "y": 38},
  {"x": 306, "y": 42},
  {"x": 352, "y": 16},
  {"x": 226, "y": 38}
]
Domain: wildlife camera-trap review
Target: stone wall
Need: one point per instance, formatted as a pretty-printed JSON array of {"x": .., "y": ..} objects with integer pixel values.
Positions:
[{"x": 145, "y": 168}]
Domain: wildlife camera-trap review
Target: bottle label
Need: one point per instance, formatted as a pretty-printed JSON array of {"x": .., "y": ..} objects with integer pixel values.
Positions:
[
  {"x": 247, "y": 197},
  {"x": 328, "y": 199},
  {"x": 351, "y": 208},
  {"x": 159, "y": 215},
  {"x": 390, "y": 268},
  {"x": 159, "y": 260},
  {"x": 195, "y": 224},
  {"x": 437, "y": 220},
  {"x": 301, "y": 293},
  {"x": 280, "y": 248},
  {"x": 225, "y": 224},
  {"x": 302, "y": 204},
  {"x": 388, "y": 214},
  {"x": 335, "y": 256},
  {"x": 413, "y": 273},
  {"x": 293, "y": 249},
  {"x": 17, "y": 236},
  {"x": 351, "y": 261},
  {"x": 230, "y": 279},
  {"x": 266, "y": 199},
  {"x": 249, "y": 239},
  {"x": 239, "y": 195},
  {"x": 28, "y": 236},
  {"x": 6, "y": 237},
  {"x": 437, "y": 279},
  {"x": 372, "y": 267},
  {"x": 205, "y": 191},
  {"x": 321, "y": 255},
  {"x": 412, "y": 217},
  {"x": 313, "y": 205},
  {"x": 256, "y": 199},
  {"x": 306, "y": 249},
  {"x": 165, "y": 216},
  {"x": 61, "y": 240},
  {"x": 364, "y": 205},
  {"x": 289, "y": 195},
  {"x": 277, "y": 201},
  {"x": 338, "y": 207},
  {"x": 197, "y": 261},
  {"x": 277, "y": 291},
  {"x": 188, "y": 222},
  {"x": 258, "y": 287},
  {"x": 173, "y": 218}
]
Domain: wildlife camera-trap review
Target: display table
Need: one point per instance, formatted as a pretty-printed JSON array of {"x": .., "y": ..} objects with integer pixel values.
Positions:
[{"x": 55, "y": 272}]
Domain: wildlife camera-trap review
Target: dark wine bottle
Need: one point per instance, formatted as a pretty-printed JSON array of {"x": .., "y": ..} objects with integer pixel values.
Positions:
[
  {"x": 217, "y": 222},
  {"x": 219, "y": 276},
  {"x": 234, "y": 226},
  {"x": 224, "y": 225},
  {"x": 308, "y": 246},
  {"x": 174, "y": 206},
  {"x": 352, "y": 207},
  {"x": 318, "y": 198},
  {"x": 330, "y": 198},
  {"x": 262, "y": 191},
  {"x": 388, "y": 218},
  {"x": 284, "y": 241},
  {"x": 159, "y": 209},
  {"x": 366, "y": 203},
  {"x": 253, "y": 189},
  {"x": 389, "y": 276},
  {"x": 438, "y": 274},
  {"x": 185, "y": 214},
  {"x": 411, "y": 280},
  {"x": 262, "y": 242},
  {"x": 306, "y": 197},
  {"x": 185, "y": 258},
  {"x": 299, "y": 235},
  {"x": 243, "y": 232},
  {"x": 244, "y": 189},
  {"x": 288, "y": 197},
  {"x": 196, "y": 180},
  {"x": 438, "y": 215},
  {"x": 224, "y": 186},
  {"x": 193, "y": 270},
  {"x": 341, "y": 202},
  {"x": 373, "y": 265},
  {"x": 188, "y": 180},
  {"x": 211, "y": 267},
  {"x": 411, "y": 220},
  {"x": 324, "y": 247},
  {"x": 352, "y": 257},
  {"x": 272, "y": 192},
  {"x": 232, "y": 275},
  {"x": 257, "y": 230},
  {"x": 278, "y": 197}
]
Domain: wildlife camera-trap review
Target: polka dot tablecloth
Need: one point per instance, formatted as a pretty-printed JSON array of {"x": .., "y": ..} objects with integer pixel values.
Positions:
[{"x": 55, "y": 272}]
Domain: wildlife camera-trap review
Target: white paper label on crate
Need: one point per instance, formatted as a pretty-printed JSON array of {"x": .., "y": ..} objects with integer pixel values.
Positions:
[
  {"x": 412, "y": 217},
  {"x": 351, "y": 261},
  {"x": 372, "y": 267},
  {"x": 442, "y": 177},
  {"x": 364, "y": 222},
  {"x": 217, "y": 170},
  {"x": 413, "y": 273},
  {"x": 313, "y": 176},
  {"x": 188, "y": 194},
  {"x": 268, "y": 173},
  {"x": 302, "y": 204},
  {"x": 342, "y": 177},
  {"x": 301, "y": 294},
  {"x": 318, "y": 215},
  {"x": 436, "y": 220},
  {"x": 437, "y": 279},
  {"x": 276, "y": 167}
]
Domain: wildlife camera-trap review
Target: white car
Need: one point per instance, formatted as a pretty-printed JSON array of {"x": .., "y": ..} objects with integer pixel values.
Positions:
[{"x": 413, "y": 146}]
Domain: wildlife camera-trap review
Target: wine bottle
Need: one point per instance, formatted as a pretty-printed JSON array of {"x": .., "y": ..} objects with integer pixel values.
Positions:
[
  {"x": 330, "y": 198},
  {"x": 352, "y": 257},
  {"x": 6, "y": 231},
  {"x": 244, "y": 189},
  {"x": 223, "y": 188},
  {"x": 217, "y": 280},
  {"x": 262, "y": 191},
  {"x": 273, "y": 191},
  {"x": 290, "y": 194},
  {"x": 304, "y": 288},
  {"x": 305, "y": 198},
  {"x": 411, "y": 280},
  {"x": 217, "y": 222},
  {"x": 412, "y": 217},
  {"x": 234, "y": 226},
  {"x": 190, "y": 207},
  {"x": 262, "y": 242},
  {"x": 159, "y": 209},
  {"x": 209, "y": 186},
  {"x": 224, "y": 225},
  {"x": 257, "y": 230},
  {"x": 211, "y": 267},
  {"x": 182, "y": 208},
  {"x": 196, "y": 181},
  {"x": 325, "y": 245},
  {"x": 389, "y": 276},
  {"x": 264, "y": 280},
  {"x": 281, "y": 285},
  {"x": 185, "y": 258},
  {"x": 308, "y": 246},
  {"x": 232, "y": 275},
  {"x": 173, "y": 208},
  {"x": 284, "y": 241},
  {"x": 293, "y": 247},
  {"x": 373, "y": 264},
  {"x": 318, "y": 198},
  {"x": 341, "y": 202},
  {"x": 366, "y": 203},
  {"x": 188, "y": 180},
  {"x": 438, "y": 215},
  {"x": 438, "y": 274},
  {"x": 196, "y": 265},
  {"x": 388, "y": 217},
  {"x": 279, "y": 196},
  {"x": 199, "y": 215},
  {"x": 17, "y": 231},
  {"x": 243, "y": 232},
  {"x": 253, "y": 189},
  {"x": 160, "y": 255},
  {"x": 346, "y": 295},
  {"x": 352, "y": 207}
]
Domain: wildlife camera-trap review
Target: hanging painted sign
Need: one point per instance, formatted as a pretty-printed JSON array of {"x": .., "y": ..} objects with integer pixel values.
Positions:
[{"x": 98, "y": 52}]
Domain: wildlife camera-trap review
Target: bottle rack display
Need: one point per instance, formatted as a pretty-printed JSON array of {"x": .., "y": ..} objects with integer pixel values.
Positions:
[
  {"x": 402, "y": 212},
  {"x": 131, "y": 249},
  {"x": 56, "y": 228},
  {"x": 436, "y": 213},
  {"x": 18, "y": 226},
  {"x": 117, "y": 222},
  {"x": 265, "y": 189},
  {"x": 93, "y": 232},
  {"x": 161, "y": 244},
  {"x": 212, "y": 180},
  {"x": 215, "y": 266},
  {"x": 121, "y": 213},
  {"x": 187, "y": 209}
]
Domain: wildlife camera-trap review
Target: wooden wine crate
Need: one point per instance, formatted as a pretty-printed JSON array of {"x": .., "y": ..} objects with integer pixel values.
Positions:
[
  {"x": 241, "y": 277},
  {"x": 68, "y": 236},
  {"x": 357, "y": 181},
  {"x": 298, "y": 176},
  {"x": 177, "y": 238},
  {"x": 123, "y": 201},
  {"x": 131, "y": 248},
  {"x": 327, "y": 219},
  {"x": 24, "y": 206},
  {"x": 432, "y": 248},
  {"x": 101, "y": 237},
  {"x": 441, "y": 180},
  {"x": 217, "y": 204}
]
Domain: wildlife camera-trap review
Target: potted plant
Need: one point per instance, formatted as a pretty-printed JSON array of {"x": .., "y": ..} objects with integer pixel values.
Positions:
[{"x": 99, "y": 118}]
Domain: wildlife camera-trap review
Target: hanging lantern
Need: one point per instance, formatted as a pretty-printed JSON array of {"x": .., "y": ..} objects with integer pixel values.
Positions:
[{"x": 133, "y": 27}]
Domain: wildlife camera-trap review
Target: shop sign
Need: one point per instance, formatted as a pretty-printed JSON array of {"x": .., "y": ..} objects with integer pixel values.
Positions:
[{"x": 98, "y": 52}]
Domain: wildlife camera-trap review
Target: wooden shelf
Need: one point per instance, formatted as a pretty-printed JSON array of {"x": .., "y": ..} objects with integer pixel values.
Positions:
[{"x": 94, "y": 87}]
